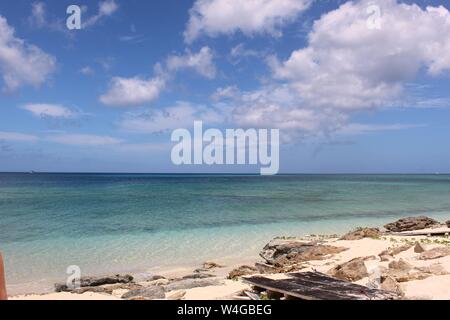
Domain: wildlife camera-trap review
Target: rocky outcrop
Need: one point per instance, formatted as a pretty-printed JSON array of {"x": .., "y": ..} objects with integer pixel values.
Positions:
[
  {"x": 192, "y": 283},
  {"x": 447, "y": 223},
  {"x": 147, "y": 293},
  {"x": 435, "y": 253},
  {"x": 95, "y": 282},
  {"x": 362, "y": 233},
  {"x": 286, "y": 252},
  {"x": 411, "y": 224},
  {"x": 199, "y": 276},
  {"x": 352, "y": 270},
  {"x": 402, "y": 271},
  {"x": 242, "y": 271}
]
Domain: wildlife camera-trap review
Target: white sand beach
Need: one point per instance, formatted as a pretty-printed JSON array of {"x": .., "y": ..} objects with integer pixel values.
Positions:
[{"x": 415, "y": 266}]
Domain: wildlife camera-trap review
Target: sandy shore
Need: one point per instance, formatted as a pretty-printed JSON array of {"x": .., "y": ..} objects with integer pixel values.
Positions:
[{"x": 416, "y": 278}]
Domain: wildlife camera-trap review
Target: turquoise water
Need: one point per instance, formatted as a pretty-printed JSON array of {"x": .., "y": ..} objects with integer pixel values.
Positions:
[{"x": 108, "y": 223}]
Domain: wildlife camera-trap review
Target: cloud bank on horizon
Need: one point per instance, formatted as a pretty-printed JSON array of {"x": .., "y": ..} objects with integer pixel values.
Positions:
[{"x": 319, "y": 72}]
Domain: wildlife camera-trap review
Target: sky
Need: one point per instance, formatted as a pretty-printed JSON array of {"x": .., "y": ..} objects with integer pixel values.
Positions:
[{"x": 353, "y": 86}]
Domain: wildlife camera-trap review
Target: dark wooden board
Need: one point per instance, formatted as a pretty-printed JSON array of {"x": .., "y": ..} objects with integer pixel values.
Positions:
[{"x": 318, "y": 286}]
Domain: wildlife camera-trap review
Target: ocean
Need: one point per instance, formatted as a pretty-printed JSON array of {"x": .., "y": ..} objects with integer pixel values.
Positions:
[{"x": 142, "y": 223}]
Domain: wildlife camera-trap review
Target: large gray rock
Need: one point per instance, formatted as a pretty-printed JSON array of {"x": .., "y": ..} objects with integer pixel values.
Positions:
[
  {"x": 199, "y": 276},
  {"x": 435, "y": 253},
  {"x": 192, "y": 283},
  {"x": 284, "y": 252},
  {"x": 95, "y": 282},
  {"x": 147, "y": 293},
  {"x": 362, "y": 233},
  {"x": 352, "y": 270},
  {"x": 411, "y": 224}
]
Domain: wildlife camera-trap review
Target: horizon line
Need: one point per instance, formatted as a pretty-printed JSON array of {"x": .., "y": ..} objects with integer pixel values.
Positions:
[{"x": 221, "y": 173}]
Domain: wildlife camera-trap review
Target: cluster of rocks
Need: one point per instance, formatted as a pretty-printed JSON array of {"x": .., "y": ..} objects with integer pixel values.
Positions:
[
  {"x": 154, "y": 287},
  {"x": 397, "y": 271},
  {"x": 283, "y": 256},
  {"x": 290, "y": 255},
  {"x": 401, "y": 225}
]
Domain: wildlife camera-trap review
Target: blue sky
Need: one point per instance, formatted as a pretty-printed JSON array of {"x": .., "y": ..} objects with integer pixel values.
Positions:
[{"x": 346, "y": 96}]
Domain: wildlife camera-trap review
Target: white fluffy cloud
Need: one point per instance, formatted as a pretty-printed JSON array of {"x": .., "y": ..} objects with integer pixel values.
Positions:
[
  {"x": 136, "y": 91},
  {"x": 215, "y": 17},
  {"x": 132, "y": 91},
  {"x": 106, "y": 8},
  {"x": 43, "y": 110},
  {"x": 22, "y": 63},
  {"x": 349, "y": 66},
  {"x": 202, "y": 62},
  {"x": 182, "y": 115}
]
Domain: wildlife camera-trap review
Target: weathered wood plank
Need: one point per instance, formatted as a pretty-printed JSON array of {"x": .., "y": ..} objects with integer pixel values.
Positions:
[
  {"x": 287, "y": 287},
  {"x": 318, "y": 286},
  {"x": 424, "y": 232},
  {"x": 322, "y": 281}
]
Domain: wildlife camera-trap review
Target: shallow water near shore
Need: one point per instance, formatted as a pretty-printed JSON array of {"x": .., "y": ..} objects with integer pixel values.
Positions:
[{"x": 111, "y": 223}]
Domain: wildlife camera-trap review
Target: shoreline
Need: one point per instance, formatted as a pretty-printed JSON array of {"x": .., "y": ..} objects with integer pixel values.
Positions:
[
  {"x": 246, "y": 243},
  {"x": 197, "y": 282}
]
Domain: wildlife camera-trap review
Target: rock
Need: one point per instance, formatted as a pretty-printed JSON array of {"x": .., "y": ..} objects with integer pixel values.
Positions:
[
  {"x": 265, "y": 268},
  {"x": 211, "y": 265},
  {"x": 95, "y": 282},
  {"x": 242, "y": 271},
  {"x": 447, "y": 223},
  {"x": 352, "y": 270},
  {"x": 361, "y": 233},
  {"x": 385, "y": 257},
  {"x": 284, "y": 252},
  {"x": 192, "y": 283},
  {"x": 198, "y": 276},
  {"x": 435, "y": 269},
  {"x": 400, "y": 265},
  {"x": 435, "y": 253},
  {"x": 419, "y": 247},
  {"x": 402, "y": 271},
  {"x": 146, "y": 277},
  {"x": 108, "y": 288},
  {"x": 159, "y": 282},
  {"x": 390, "y": 284},
  {"x": 147, "y": 293},
  {"x": 395, "y": 250},
  {"x": 411, "y": 224},
  {"x": 92, "y": 289}
]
